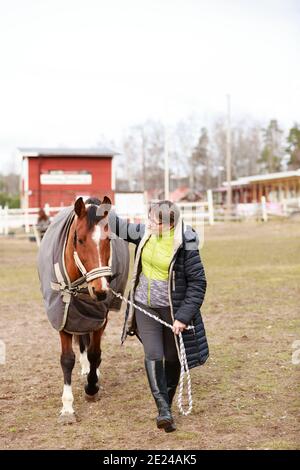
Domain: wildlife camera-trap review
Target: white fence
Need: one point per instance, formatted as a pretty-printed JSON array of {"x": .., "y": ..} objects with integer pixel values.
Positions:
[
  {"x": 194, "y": 213},
  {"x": 25, "y": 220},
  {"x": 21, "y": 218},
  {"x": 257, "y": 210},
  {"x": 291, "y": 205}
]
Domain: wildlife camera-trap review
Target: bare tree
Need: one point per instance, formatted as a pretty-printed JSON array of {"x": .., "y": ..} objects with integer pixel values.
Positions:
[
  {"x": 200, "y": 162},
  {"x": 246, "y": 148}
]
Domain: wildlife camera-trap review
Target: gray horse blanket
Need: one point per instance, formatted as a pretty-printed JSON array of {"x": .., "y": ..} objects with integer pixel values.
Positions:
[{"x": 78, "y": 313}]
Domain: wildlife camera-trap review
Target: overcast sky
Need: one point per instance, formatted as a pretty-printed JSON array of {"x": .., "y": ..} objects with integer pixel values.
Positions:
[{"x": 73, "y": 70}]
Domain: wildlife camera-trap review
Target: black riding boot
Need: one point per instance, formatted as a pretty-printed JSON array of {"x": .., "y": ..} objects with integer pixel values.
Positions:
[
  {"x": 172, "y": 371},
  {"x": 158, "y": 385}
]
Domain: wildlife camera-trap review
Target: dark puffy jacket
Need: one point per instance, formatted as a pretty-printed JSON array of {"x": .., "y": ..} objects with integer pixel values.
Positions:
[{"x": 187, "y": 283}]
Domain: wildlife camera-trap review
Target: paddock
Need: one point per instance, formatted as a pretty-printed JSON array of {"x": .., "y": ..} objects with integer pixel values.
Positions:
[{"x": 245, "y": 397}]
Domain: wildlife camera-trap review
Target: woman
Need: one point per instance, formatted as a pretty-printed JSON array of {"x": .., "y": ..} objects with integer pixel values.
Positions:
[
  {"x": 169, "y": 281},
  {"x": 43, "y": 223}
]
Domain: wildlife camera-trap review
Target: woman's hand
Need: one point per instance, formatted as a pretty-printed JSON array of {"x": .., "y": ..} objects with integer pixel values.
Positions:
[{"x": 178, "y": 327}]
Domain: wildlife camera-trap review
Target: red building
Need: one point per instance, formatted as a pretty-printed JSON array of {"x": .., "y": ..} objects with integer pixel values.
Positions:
[{"x": 58, "y": 176}]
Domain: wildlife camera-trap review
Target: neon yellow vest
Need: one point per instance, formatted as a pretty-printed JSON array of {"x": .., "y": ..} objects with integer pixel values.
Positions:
[{"x": 156, "y": 257}]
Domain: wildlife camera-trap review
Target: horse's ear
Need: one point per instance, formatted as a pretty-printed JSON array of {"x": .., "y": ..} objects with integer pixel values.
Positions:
[
  {"x": 106, "y": 200},
  {"x": 79, "y": 207},
  {"x": 107, "y": 205}
]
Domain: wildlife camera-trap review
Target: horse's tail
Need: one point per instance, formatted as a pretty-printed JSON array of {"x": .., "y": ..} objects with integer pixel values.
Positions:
[{"x": 83, "y": 341}]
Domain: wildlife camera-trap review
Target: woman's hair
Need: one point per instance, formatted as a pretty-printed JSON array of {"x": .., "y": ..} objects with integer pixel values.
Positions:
[
  {"x": 165, "y": 211},
  {"x": 42, "y": 215}
]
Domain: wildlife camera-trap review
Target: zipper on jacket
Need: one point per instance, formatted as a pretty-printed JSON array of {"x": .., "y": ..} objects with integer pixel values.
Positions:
[
  {"x": 169, "y": 291},
  {"x": 151, "y": 269},
  {"x": 136, "y": 264},
  {"x": 173, "y": 280}
]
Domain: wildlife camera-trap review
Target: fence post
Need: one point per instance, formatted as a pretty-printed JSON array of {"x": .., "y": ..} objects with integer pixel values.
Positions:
[
  {"x": 6, "y": 220},
  {"x": 210, "y": 207},
  {"x": 47, "y": 209},
  {"x": 26, "y": 217},
  {"x": 37, "y": 235},
  {"x": 284, "y": 207},
  {"x": 264, "y": 209}
]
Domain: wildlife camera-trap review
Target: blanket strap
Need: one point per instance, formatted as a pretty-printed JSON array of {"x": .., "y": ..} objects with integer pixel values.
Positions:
[
  {"x": 81, "y": 283},
  {"x": 78, "y": 284},
  {"x": 67, "y": 290}
]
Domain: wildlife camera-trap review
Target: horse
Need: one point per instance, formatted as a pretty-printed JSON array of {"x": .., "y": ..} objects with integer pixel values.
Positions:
[{"x": 86, "y": 259}]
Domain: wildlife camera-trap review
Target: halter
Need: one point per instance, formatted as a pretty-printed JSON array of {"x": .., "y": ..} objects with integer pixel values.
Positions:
[{"x": 101, "y": 271}]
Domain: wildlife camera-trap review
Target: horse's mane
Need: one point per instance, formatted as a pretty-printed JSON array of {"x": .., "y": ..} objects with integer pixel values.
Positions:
[
  {"x": 93, "y": 200},
  {"x": 92, "y": 217}
]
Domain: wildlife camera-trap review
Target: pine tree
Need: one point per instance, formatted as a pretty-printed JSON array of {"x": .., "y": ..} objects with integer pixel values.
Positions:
[
  {"x": 293, "y": 148},
  {"x": 272, "y": 153},
  {"x": 200, "y": 165}
]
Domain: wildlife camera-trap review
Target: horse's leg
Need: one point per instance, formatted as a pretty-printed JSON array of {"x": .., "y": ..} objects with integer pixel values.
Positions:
[
  {"x": 84, "y": 341},
  {"x": 67, "y": 360},
  {"x": 94, "y": 357}
]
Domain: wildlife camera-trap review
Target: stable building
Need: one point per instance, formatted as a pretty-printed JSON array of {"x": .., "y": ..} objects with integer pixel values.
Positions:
[
  {"x": 57, "y": 177},
  {"x": 276, "y": 187}
]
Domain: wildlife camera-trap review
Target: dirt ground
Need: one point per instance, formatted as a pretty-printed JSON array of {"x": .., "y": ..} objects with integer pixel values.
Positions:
[{"x": 245, "y": 397}]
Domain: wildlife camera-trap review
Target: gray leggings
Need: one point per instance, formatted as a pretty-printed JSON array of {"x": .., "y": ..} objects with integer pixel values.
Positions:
[{"x": 158, "y": 340}]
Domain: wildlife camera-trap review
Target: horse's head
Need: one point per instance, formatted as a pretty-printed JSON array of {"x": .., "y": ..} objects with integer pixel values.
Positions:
[{"x": 91, "y": 241}]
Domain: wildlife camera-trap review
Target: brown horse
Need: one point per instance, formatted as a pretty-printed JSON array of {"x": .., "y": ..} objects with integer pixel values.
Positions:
[{"x": 87, "y": 249}]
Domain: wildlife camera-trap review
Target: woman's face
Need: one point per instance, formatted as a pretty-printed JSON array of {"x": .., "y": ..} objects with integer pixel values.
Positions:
[
  {"x": 155, "y": 226},
  {"x": 153, "y": 223}
]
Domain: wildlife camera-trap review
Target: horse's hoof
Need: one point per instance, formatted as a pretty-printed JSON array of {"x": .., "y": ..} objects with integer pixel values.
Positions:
[
  {"x": 67, "y": 418},
  {"x": 92, "y": 398},
  {"x": 83, "y": 374}
]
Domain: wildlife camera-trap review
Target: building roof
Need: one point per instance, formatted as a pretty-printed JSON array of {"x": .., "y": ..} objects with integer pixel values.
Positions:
[
  {"x": 67, "y": 152},
  {"x": 179, "y": 193},
  {"x": 266, "y": 177}
]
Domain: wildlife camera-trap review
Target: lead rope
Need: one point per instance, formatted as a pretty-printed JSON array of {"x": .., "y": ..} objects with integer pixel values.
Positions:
[{"x": 184, "y": 371}]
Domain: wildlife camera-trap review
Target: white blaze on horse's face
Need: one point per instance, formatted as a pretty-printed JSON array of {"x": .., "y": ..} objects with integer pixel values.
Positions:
[{"x": 96, "y": 236}]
